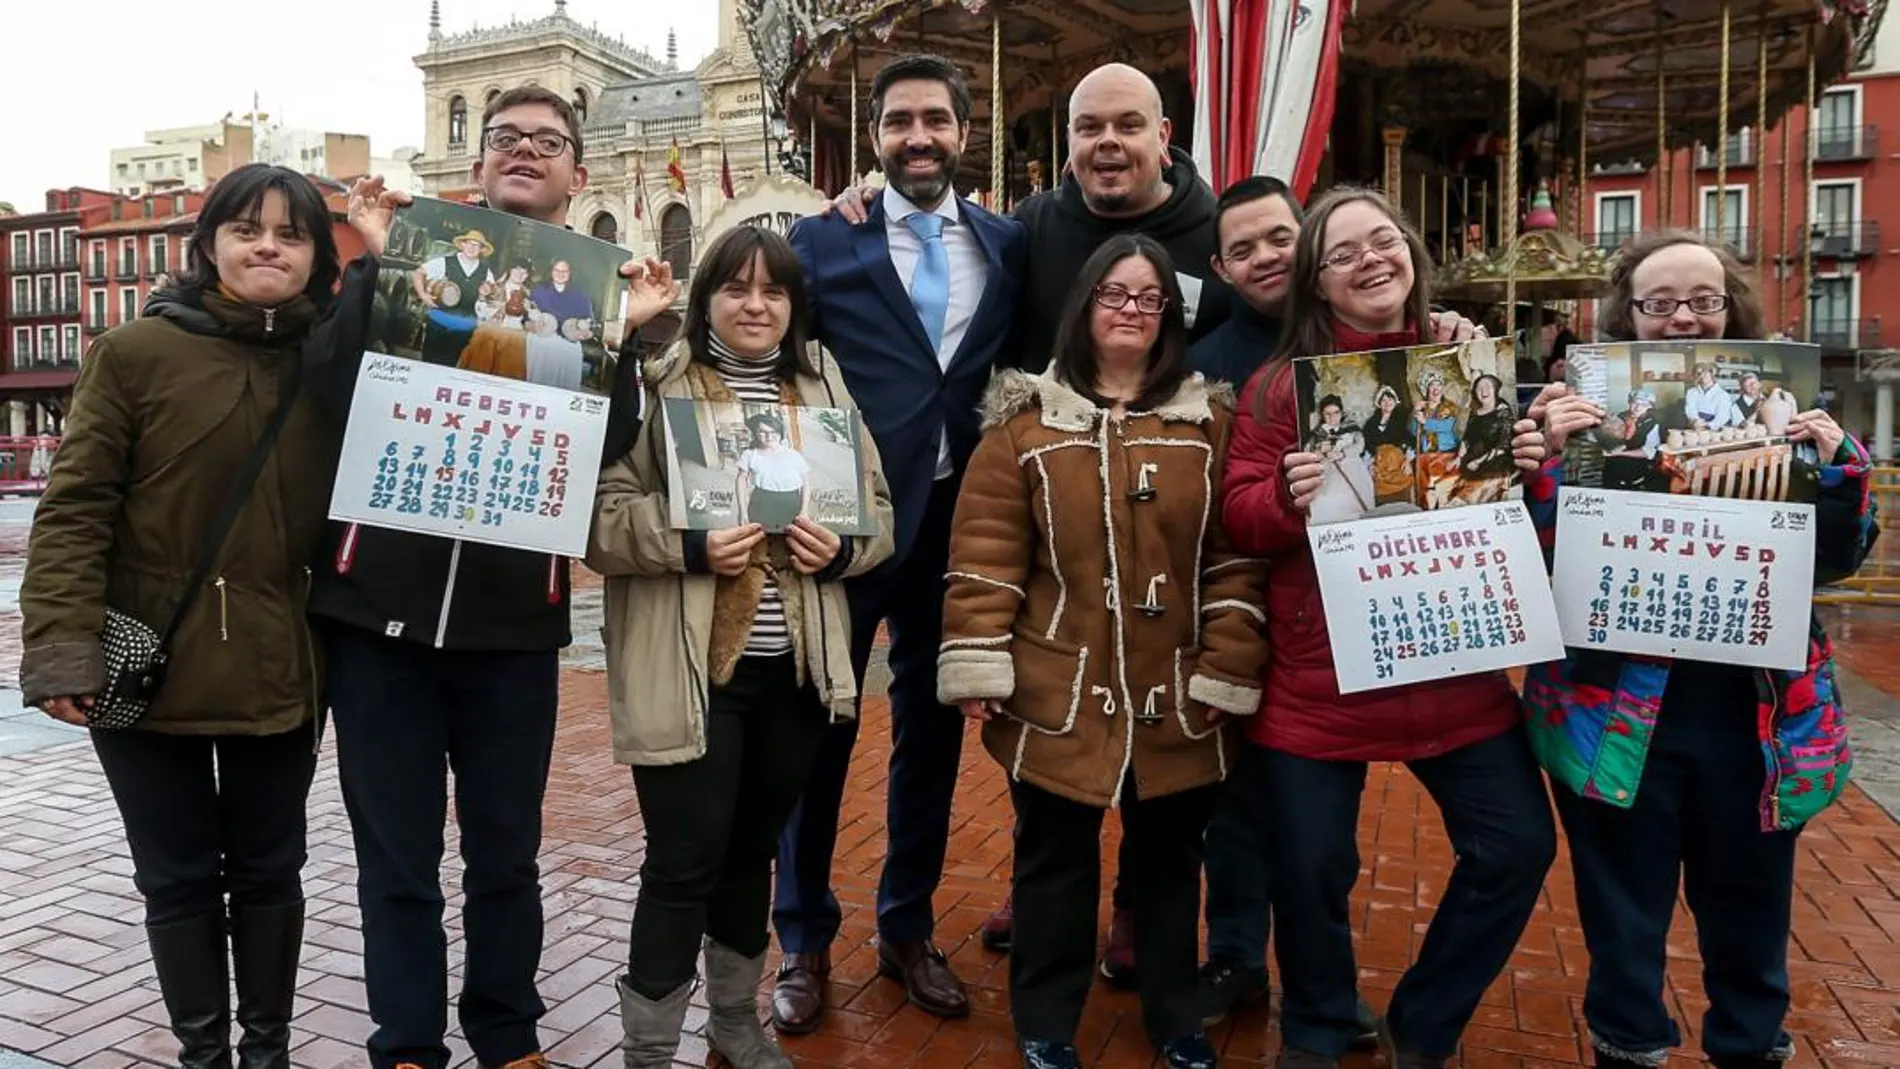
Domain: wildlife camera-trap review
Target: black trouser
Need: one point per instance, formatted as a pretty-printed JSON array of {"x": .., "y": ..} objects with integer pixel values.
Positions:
[
  {"x": 211, "y": 817},
  {"x": 1058, "y": 883},
  {"x": 712, "y": 824},
  {"x": 405, "y": 715}
]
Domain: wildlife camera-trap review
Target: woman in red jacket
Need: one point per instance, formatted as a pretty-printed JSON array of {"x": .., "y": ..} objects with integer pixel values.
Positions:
[{"x": 1360, "y": 283}]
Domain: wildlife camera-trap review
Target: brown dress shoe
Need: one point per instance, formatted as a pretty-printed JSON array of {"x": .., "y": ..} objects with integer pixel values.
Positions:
[
  {"x": 926, "y": 976},
  {"x": 798, "y": 1000}
]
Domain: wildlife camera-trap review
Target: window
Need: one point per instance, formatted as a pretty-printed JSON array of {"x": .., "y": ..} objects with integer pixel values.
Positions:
[
  {"x": 1831, "y": 308},
  {"x": 604, "y": 227},
  {"x": 22, "y": 346},
  {"x": 96, "y": 317},
  {"x": 458, "y": 122},
  {"x": 1837, "y": 129},
  {"x": 128, "y": 304},
  {"x": 1835, "y": 230},
  {"x": 160, "y": 259},
  {"x": 1733, "y": 229},
  {"x": 71, "y": 351},
  {"x": 22, "y": 296},
  {"x": 98, "y": 265},
  {"x": 69, "y": 294},
  {"x": 580, "y": 106},
  {"x": 49, "y": 345},
  {"x": 22, "y": 251},
  {"x": 44, "y": 247},
  {"x": 128, "y": 257},
  {"x": 69, "y": 246},
  {"x": 1618, "y": 218},
  {"x": 49, "y": 294}
]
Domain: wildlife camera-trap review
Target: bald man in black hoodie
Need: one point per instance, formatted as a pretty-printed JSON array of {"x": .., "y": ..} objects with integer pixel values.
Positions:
[{"x": 1123, "y": 176}]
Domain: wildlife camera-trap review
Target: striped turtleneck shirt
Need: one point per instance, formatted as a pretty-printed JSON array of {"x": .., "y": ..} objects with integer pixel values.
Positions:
[{"x": 756, "y": 382}]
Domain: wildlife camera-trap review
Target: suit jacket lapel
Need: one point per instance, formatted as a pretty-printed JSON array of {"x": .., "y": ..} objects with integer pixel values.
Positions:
[
  {"x": 873, "y": 247},
  {"x": 994, "y": 284}
]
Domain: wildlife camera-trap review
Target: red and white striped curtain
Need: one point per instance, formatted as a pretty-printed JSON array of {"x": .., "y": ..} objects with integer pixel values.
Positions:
[{"x": 1264, "y": 74}]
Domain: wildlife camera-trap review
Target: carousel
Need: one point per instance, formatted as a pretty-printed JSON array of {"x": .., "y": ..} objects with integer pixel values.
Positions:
[{"x": 1467, "y": 112}]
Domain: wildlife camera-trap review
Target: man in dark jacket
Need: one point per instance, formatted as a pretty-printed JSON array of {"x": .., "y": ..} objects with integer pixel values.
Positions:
[
  {"x": 1256, "y": 226},
  {"x": 444, "y": 655}
]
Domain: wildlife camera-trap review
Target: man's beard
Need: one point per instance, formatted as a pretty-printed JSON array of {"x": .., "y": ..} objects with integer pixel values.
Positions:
[{"x": 920, "y": 189}]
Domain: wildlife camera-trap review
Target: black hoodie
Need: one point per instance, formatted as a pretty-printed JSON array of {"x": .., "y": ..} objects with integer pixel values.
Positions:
[{"x": 1063, "y": 234}]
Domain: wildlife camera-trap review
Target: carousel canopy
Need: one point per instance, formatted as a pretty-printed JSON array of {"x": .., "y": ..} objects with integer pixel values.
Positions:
[{"x": 1454, "y": 53}]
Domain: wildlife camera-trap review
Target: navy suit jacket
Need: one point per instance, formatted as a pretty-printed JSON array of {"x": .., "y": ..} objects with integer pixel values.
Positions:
[{"x": 862, "y": 313}]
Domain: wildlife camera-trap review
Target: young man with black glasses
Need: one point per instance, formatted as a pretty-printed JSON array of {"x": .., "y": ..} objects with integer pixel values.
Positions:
[{"x": 444, "y": 655}]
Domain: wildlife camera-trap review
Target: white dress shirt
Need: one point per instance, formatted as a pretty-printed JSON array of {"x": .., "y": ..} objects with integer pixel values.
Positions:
[{"x": 969, "y": 273}]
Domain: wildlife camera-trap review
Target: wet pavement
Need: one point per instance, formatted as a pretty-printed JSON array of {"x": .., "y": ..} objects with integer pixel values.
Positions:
[{"x": 76, "y": 988}]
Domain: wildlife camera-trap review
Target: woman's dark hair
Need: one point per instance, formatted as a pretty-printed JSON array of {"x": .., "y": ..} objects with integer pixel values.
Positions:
[
  {"x": 1075, "y": 361},
  {"x": 1618, "y": 322},
  {"x": 240, "y": 195},
  {"x": 729, "y": 259},
  {"x": 1497, "y": 389},
  {"x": 1331, "y": 400},
  {"x": 765, "y": 421}
]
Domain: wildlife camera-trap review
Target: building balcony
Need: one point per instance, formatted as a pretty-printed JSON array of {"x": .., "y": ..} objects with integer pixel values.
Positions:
[
  {"x": 155, "y": 271},
  {"x": 1609, "y": 240},
  {"x": 1841, "y": 337},
  {"x": 1838, "y": 143},
  {"x": 1834, "y": 240},
  {"x": 51, "y": 311},
  {"x": 96, "y": 273},
  {"x": 1740, "y": 240},
  {"x": 1741, "y": 153},
  {"x": 96, "y": 328},
  {"x": 127, "y": 273}
]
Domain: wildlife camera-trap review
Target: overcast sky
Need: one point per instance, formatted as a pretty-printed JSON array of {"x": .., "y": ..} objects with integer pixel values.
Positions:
[{"x": 101, "y": 72}]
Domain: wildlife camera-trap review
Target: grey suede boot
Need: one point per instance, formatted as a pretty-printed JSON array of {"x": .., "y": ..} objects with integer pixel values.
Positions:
[
  {"x": 732, "y": 994},
  {"x": 651, "y": 1029}
]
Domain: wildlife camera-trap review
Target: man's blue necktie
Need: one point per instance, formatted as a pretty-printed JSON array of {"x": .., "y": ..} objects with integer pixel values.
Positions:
[{"x": 930, "y": 284}]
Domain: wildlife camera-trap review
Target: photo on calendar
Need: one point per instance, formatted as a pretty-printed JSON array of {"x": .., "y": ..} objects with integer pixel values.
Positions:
[
  {"x": 485, "y": 291},
  {"x": 731, "y": 463},
  {"x": 1409, "y": 430},
  {"x": 1696, "y": 417}
]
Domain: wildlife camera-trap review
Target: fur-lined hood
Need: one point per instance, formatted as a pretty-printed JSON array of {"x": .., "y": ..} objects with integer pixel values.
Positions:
[{"x": 1012, "y": 392}]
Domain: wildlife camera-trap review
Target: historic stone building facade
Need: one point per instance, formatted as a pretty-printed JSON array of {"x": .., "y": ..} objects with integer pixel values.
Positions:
[{"x": 635, "y": 107}]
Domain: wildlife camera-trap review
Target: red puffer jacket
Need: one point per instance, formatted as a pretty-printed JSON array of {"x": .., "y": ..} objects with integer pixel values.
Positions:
[{"x": 1302, "y": 711}]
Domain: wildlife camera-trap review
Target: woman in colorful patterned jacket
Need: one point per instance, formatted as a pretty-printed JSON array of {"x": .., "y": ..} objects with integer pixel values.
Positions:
[{"x": 1658, "y": 765}]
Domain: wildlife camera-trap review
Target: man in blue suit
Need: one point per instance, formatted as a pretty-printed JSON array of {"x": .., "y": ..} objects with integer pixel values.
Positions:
[{"x": 917, "y": 306}]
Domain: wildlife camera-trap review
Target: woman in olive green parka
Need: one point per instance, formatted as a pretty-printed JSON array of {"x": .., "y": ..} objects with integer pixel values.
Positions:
[{"x": 212, "y": 781}]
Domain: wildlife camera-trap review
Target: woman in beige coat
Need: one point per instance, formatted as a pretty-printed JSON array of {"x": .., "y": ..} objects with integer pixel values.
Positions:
[
  {"x": 1098, "y": 625},
  {"x": 728, "y": 654}
]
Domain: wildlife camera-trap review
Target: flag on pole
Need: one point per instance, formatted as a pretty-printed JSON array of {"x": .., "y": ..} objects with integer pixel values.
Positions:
[
  {"x": 725, "y": 172},
  {"x": 639, "y": 190},
  {"x": 675, "y": 172}
]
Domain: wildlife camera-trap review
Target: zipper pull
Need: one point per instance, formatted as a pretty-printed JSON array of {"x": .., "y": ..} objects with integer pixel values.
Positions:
[
  {"x": 270, "y": 320},
  {"x": 224, "y": 630}
]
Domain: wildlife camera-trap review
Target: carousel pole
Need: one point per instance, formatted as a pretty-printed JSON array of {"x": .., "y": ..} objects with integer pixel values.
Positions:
[
  {"x": 1583, "y": 129},
  {"x": 1508, "y": 214},
  {"x": 997, "y": 128},
  {"x": 1787, "y": 155},
  {"x": 1444, "y": 219},
  {"x": 851, "y": 158},
  {"x": 1663, "y": 212},
  {"x": 1807, "y": 194},
  {"x": 811, "y": 168},
  {"x": 1055, "y": 122},
  {"x": 1761, "y": 128},
  {"x": 1721, "y": 141}
]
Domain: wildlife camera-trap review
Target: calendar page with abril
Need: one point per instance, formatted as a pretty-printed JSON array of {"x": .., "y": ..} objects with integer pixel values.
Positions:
[
  {"x": 1685, "y": 525},
  {"x": 440, "y": 451},
  {"x": 1428, "y": 563}
]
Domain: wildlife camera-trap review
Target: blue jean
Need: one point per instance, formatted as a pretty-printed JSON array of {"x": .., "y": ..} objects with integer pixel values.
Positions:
[
  {"x": 1497, "y": 816},
  {"x": 1695, "y": 823},
  {"x": 1238, "y": 861}
]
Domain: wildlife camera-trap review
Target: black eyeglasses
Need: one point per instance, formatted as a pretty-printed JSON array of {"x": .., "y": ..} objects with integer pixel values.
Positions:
[
  {"x": 1701, "y": 304},
  {"x": 546, "y": 143},
  {"x": 1116, "y": 298}
]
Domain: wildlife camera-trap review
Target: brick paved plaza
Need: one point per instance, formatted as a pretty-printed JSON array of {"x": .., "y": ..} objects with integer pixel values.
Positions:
[{"x": 76, "y": 988}]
